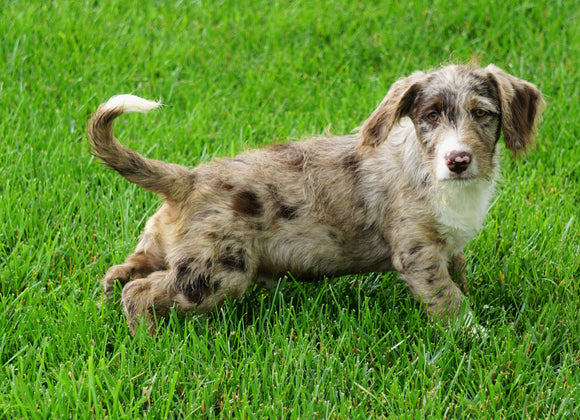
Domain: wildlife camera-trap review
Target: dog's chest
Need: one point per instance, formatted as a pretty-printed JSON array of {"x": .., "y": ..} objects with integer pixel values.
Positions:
[{"x": 460, "y": 211}]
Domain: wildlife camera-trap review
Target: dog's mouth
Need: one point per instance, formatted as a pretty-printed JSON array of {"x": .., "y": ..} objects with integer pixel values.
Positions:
[
  {"x": 460, "y": 176},
  {"x": 464, "y": 177}
]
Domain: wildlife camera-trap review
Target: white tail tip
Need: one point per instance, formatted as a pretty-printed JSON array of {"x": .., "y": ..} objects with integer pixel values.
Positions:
[{"x": 130, "y": 103}]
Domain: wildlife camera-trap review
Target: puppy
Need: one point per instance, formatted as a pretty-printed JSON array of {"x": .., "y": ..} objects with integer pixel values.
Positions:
[{"x": 405, "y": 193}]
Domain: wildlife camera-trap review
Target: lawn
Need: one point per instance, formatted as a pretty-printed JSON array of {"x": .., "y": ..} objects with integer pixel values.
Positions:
[{"x": 242, "y": 74}]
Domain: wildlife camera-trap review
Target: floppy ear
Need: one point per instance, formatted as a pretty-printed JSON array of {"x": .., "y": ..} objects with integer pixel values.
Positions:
[
  {"x": 397, "y": 104},
  {"x": 521, "y": 108}
]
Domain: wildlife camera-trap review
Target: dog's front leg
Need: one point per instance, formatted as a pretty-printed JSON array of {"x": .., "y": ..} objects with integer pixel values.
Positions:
[
  {"x": 457, "y": 271},
  {"x": 425, "y": 270}
]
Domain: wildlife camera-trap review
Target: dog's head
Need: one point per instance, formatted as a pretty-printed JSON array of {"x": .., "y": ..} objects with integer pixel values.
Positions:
[{"x": 459, "y": 113}]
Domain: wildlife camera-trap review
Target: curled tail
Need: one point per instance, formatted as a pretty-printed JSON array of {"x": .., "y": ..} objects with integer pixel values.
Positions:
[{"x": 172, "y": 181}]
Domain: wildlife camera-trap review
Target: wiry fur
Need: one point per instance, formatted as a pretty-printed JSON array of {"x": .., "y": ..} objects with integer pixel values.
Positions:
[{"x": 405, "y": 193}]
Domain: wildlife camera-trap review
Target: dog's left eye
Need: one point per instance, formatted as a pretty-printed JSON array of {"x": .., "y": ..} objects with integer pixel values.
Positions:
[
  {"x": 480, "y": 113},
  {"x": 433, "y": 116}
]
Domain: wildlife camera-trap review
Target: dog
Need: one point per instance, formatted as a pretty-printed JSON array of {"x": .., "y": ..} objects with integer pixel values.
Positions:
[{"x": 404, "y": 193}]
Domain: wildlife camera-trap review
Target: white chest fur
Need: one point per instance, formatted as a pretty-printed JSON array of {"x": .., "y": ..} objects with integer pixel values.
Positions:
[{"x": 460, "y": 209}]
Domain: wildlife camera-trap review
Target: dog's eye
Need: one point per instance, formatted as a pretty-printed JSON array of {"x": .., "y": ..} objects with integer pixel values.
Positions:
[
  {"x": 480, "y": 113},
  {"x": 433, "y": 116}
]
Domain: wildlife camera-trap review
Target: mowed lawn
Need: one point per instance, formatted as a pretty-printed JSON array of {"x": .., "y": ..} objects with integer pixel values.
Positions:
[{"x": 241, "y": 74}]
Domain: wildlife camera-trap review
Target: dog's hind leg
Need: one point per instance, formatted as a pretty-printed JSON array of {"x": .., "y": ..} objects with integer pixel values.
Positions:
[
  {"x": 150, "y": 254},
  {"x": 192, "y": 284},
  {"x": 148, "y": 257},
  {"x": 204, "y": 285},
  {"x": 144, "y": 299}
]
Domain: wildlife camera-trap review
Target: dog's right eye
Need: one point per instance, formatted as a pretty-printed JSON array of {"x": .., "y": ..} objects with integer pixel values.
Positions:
[
  {"x": 480, "y": 113},
  {"x": 433, "y": 116}
]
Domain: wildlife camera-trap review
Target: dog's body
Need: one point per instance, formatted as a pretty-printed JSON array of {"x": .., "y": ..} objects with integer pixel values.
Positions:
[{"x": 406, "y": 193}]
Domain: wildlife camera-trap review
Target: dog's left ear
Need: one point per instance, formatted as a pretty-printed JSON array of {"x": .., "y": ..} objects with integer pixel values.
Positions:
[
  {"x": 397, "y": 104},
  {"x": 521, "y": 108}
]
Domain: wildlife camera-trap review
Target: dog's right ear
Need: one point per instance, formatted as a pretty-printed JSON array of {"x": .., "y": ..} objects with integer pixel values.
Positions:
[{"x": 397, "y": 104}]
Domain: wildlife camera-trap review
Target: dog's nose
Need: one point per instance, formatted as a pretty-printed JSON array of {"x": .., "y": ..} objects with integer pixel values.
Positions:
[{"x": 457, "y": 161}]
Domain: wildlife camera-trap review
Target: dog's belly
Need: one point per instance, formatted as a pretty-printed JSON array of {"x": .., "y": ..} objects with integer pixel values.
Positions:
[{"x": 318, "y": 251}]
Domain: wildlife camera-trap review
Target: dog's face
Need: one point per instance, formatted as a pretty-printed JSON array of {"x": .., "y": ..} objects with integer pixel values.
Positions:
[
  {"x": 457, "y": 118},
  {"x": 459, "y": 114}
]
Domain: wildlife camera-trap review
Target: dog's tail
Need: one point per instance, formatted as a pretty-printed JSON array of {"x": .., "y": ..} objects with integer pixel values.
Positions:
[{"x": 172, "y": 181}]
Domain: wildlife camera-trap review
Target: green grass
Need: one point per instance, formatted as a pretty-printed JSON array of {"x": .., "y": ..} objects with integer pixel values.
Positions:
[{"x": 241, "y": 74}]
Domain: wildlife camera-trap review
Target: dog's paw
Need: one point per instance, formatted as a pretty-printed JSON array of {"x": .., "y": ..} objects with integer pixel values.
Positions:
[
  {"x": 117, "y": 274},
  {"x": 138, "y": 300}
]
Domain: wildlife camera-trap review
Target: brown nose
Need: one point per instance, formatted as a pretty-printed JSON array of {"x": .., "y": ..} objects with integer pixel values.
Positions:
[{"x": 457, "y": 161}]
